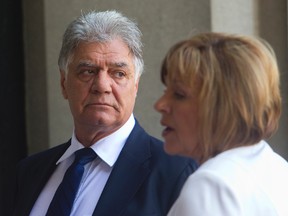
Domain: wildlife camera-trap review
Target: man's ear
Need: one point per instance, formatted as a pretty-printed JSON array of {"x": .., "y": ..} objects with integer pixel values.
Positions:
[
  {"x": 136, "y": 86},
  {"x": 63, "y": 84}
]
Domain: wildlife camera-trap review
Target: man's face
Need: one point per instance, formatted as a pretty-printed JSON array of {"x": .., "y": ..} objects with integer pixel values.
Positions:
[{"x": 100, "y": 85}]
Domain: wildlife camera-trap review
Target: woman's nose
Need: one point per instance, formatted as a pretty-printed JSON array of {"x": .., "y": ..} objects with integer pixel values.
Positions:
[{"x": 161, "y": 104}]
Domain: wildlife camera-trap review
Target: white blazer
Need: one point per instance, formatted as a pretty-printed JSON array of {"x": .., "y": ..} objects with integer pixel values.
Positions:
[{"x": 244, "y": 181}]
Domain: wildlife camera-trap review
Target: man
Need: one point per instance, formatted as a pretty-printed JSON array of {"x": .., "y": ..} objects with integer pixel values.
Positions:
[{"x": 100, "y": 65}]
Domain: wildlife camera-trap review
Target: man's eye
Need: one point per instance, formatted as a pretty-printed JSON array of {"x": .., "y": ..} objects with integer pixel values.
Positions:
[
  {"x": 88, "y": 72},
  {"x": 86, "y": 75},
  {"x": 119, "y": 74}
]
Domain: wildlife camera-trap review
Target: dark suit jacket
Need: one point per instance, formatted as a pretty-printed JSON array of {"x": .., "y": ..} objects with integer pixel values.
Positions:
[{"x": 144, "y": 180}]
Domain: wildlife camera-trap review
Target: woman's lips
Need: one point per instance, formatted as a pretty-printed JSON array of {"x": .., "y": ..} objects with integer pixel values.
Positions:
[{"x": 166, "y": 131}]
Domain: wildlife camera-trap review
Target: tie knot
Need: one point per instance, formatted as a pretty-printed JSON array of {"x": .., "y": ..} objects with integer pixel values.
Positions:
[{"x": 84, "y": 156}]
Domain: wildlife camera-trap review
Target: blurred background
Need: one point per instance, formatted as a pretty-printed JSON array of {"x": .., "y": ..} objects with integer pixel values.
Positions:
[{"x": 34, "y": 116}]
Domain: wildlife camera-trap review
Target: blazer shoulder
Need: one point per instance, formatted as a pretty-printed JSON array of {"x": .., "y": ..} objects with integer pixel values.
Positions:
[
  {"x": 171, "y": 162},
  {"x": 159, "y": 158},
  {"x": 52, "y": 154}
]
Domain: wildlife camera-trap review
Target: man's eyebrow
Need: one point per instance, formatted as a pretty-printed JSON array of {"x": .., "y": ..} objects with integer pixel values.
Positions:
[
  {"x": 118, "y": 64},
  {"x": 111, "y": 64},
  {"x": 86, "y": 64}
]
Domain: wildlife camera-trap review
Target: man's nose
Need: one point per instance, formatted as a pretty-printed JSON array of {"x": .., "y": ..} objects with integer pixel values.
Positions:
[{"x": 101, "y": 83}]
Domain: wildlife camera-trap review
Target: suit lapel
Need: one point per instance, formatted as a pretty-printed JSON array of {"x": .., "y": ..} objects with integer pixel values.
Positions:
[
  {"x": 128, "y": 174},
  {"x": 39, "y": 175}
]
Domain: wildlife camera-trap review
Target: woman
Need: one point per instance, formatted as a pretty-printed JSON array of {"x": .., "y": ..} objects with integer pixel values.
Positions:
[{"x": 222, "y": 100}]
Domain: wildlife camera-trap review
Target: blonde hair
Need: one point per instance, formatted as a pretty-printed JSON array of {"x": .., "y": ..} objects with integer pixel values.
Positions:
[{"x": 236, "y": 78}]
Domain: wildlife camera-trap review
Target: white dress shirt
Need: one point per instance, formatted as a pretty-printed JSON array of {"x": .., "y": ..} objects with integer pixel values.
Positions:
[
  {"x": 95, "y": 175},
  {"x": 245, "y": 181}
]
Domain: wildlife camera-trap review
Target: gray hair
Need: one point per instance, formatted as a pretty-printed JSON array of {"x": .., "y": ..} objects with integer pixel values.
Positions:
[{"x": 102, "y": 27}]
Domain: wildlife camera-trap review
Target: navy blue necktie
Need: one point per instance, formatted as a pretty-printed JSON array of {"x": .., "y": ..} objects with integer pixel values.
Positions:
[{"x": 62, "y": 202}]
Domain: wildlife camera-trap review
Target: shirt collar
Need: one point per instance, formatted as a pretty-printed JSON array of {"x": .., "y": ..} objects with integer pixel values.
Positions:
[{"x": 103, "y": 146}]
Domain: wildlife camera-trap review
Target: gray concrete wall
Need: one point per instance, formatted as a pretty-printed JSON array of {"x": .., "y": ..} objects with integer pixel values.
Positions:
[
  {"x": 163, "y": 22},
  {"x": 36, "y": 72},
  {"x": 272, "y": 16}
]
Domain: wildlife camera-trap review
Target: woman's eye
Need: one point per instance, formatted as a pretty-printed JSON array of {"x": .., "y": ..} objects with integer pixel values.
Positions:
[{"x": 179, "y": 95}]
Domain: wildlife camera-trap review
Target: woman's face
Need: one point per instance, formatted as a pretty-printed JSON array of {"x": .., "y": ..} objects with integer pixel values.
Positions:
[{"x": 179, "y": 109}]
